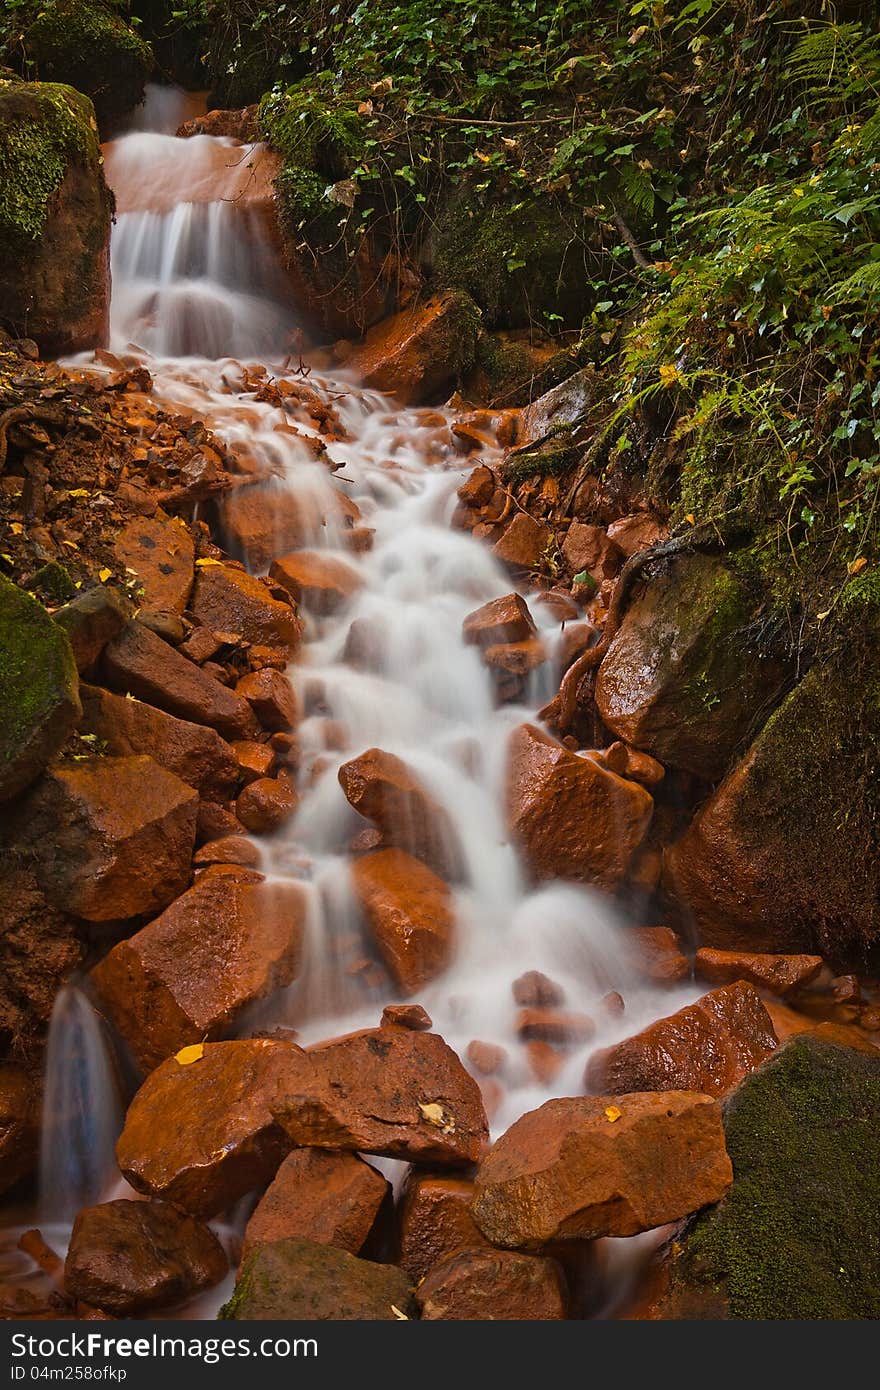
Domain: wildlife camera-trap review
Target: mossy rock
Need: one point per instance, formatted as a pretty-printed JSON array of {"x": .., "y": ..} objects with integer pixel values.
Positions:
[
  {"x": 798, "y": 1234},
  {"x": 299, "y": 1280},
  {"x": 39, "y": 691},
  {"x": 87, "y": 45}
]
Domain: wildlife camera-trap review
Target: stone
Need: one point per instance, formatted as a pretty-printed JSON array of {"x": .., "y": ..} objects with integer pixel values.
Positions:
[
  {"x": 269, "y": 520},
  {"x": 570, "y": 817},
  {"x": 386, "y": 791},
  {"x": 201, "y": 645},
  {"x": 634, "y": 533},
  {"x": 91, "y": 620},
  {"x": 658, "y": 955},
  {"x": 112, "y": 837},
  {"x": 200, "y": 1132},
  {"x": 187, "y": 976},
  {"x": 127, "y": 727},
  {"x": 589, "y": 548},
  {"x": 227, "y": 599},
  {"x": 139, "y": 663},
  {"x": 135, "y": 1257},
  {"x": 19, "y": 1124},
  {"x": 708, "y": 1046},
  {"x": 161, "y": 553},
  {"x": 556, "y": 1026},
  {"x": 271, "y": 697},
  {"x": 253, "y": 760},
  {"x": 39, "y": 703},
  {"x": 493, "y": 1286},
  {"x": 478, "y": 488},
  {"x": 779, "y": 974},
  {"x": 585, "y": 1167},
  {"x": 331, "y": 1198},
  {"x": 630, "y": 763},
  {"x": 406, "y": 1016},
  {"x": 420, "y": 353},
  {"x": 434, "y": 1221},
  {"x": 91, "y": 47},
  {"x": 229, "y": 849},
  {"x": 214, "y": 821},
  {"x": 300, "y": 1280},
  {"x": 410, "y": 914},
  {"x": 266, "y": 804},
  {"x": 321, "y": 583},
  {"x": 501, "y": 620},
  {"x": 534, "y": 990},
  {"x": 40, "y": 948},
  {"x": 523, "y": 543},
  {"x": 486, "y": 1058}
]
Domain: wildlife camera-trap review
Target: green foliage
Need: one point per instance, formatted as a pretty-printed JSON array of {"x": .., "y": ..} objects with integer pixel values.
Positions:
[{"x": 42, "y": 128}]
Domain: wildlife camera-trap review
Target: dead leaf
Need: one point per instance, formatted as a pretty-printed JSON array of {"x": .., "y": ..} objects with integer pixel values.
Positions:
[
  {"x": 856, "y": 566},
  {"x": 435, "y": 1115},
  {"x": 612, "y": 1113},
  {"x": 194, "y": 1053}
]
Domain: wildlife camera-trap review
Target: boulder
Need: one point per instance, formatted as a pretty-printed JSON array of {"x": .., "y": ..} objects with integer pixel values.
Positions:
[
  {"x": 479, "y": 487},
  {"x": 585, "y": 1167},
  {"x": 19, "y": 1124},
  {"x": 91, "y": 620},
  {"x": 88, "y": 44},
  {"x": 494, "y": 1286},
  {"x": 434, "y": 1221},
  {"x": 269, "y": 519},
  {"x": 316, "y": 1195},
  {"x": 227, "y": 599},
  {"x": 321, "y": 583},
  {"x": 708, "y": 1046},
  {"x": 271, "y": 697},
  {"x": 135, "y": 1257},
  {"x": 266, "y": 804},
  {"x": 634, "y": 533},
  {"x": 778, "y": 974},
  {"x": 571, "y": 818},
  {"x": 300, "y": 1280},
  {"x": 420, "y": 353},
  {"x": 523, "y": 543},
  {"x": 187, "y": 976},
  {"x": 160, "y": 552},
  {"x": 112, "y": 837},
  {"x": 501, "y": 620},
  {"x": 658, "y": 955},
  {"x": 410, "y": 913},
  {"x": 682, "y": 678},
  {"x": 386, "y": 791},
  {"x": 39, "y": 703},
  {"x": 588, "y": 548}
]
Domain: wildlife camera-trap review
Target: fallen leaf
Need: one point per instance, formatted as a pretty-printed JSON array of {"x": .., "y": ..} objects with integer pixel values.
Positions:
[
  {"x": 397, "y": 1313},
  {"x": 612, "y": 1113},
  {"x": 435, "y": 1115},
  {"x": 104, "y": 575},
  {"x": 857, "y": 566},
  {"x": 194, "y": 1053}
]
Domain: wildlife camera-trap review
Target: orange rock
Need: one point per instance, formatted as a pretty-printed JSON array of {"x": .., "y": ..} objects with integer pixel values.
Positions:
[
  {"x": 788, "y": 1023},
  {"x": 229, "y": 849},
  {"x": 271, "y": 697},
  {"x": 417, "y": 353},
  {"x": 511, "y": 663},
  {"x": 708, "y": 1046},
  {"x": 494, "y": 1286},
  {"x": 502, "y": 620},
  {"x": 779, "y": 974},
  {"x": 410, "y": 914},
  {"x": 406, "y": 1016},
  {"x": 161, "y": 554},
  {"x": 266, "y": 804},
  {"x": 320, "y": 582},
  {"x": 253, "y": 760},
  {"x": 629, "y": 762},
  {"x": 523, "y": 543},
  {"x": 331, "y": 1198},
  {"x": 571, "y": 818},
  {"x": 596, "y": 1166},
  {"x": 554, "y": 1026},
  {"x": 434, "y": 1216},
  {"x": 478, "y": 488},
  {"x": 659, "y": 955},
  {"x": 545, "y": 1060},
  {"x": 589, "y": 548},
  {"x": 230, "y": 600},
  {"x": 534, "y": 990},
  {"x": 636, "y": 532},
  {"x": 383, "y": 789},
  {"x": 486, "y": 1058}
]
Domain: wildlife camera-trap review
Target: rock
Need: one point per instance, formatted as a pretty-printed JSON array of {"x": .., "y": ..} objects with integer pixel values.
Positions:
[
  {"x": 242, "y": 125},
  {"x": 535, "y": 990},
  {"x": 200, "y": 1133},
  {"x": 391, "y": 1092},
  {"x": 214, "y": 821},
  {"x": 271, "y": 697},
  {"x": 493, "y": 1286},
  {"x": 632, "y": 534},
  {"x": 91, "y": 620},
  {"x": 585, "y": 1167},
  {"x": 406, "y": 1016},
  {"x": 194, "y": 753},
  {"x": 589, "y": 548},
  {"x": 299, "y": 1280},
  {"x": 266, "y": 804},
  {"x": 54, "y": 236},
  {"x": 330, "y": 1198},
  {"x": 227, "y": 599},
  {"x": 39, "y": 949},
  {"x": 112, "y": 837},
  {"x": 322, "y": 583},
  {"x": 682, "y": 680},
  {"x": 504, "y": 620},
  {"x": 383, "y": 788},
  {"x": 523, "y": 543},
  {"x": 629, "y": 762},
  {"x": 556, "y": 1026},
  {"x": 39, "y": 703},
  {"x": 779, "y": 974},
  {"x": 201, "y": 645},
  {"x": 187, "y": 976},
  {"x": 478, "y": 488},
  {"x": 410, "y": 914},
  {"x": 254, "y": 760},
  {"x": 788, "y": 1023},
  {"x": 511, "y": 663},
  {"x": 420, "y": 353},
  {"x": 708, "y": 1046},
  {"x": 658, "y": 955},
  {"x": 229, "y": 849},
  {"x": 139, "y": 663},
  {"x": 434, "y": 1218},
  {"x": 168, "y": 625},
  {"x": 161, "y": 553},
  {"x": 134, "y": 1257},
  {"x": 486, "y": 1058},
  {"x": 19, "y": 1124},
  {"x": 571, "y": 818},
  {"x": 269, "y": 520},
  {"x": 89, "y": 45},
  {"x": 796, "y": 1235}
]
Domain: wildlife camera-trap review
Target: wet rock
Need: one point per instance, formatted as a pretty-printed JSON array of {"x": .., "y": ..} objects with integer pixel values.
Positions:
[
  {"x": 200, "y": 1132},
  {"x": 112, "y": 837},
  {"x": 139, "y": 663},
  {"x": 493, "y": 1286},
  {"x": 478, "y": 488},
  {"x": 486, "y": 1058},
  {"x": 511, "y": 663},
  {"x": 316, "y": 1195},
  {"x": 571, "y": 818},
  {"x": 386, "y": 791},
  {"x": 502, "y": 620},
  {"x": 242, "y": 125},
  {"x": 789, "y": 1023},
  {"x": 779, "y": 974},
  {"x": 187, "y": 976},
  {"x": 91, "y": 620},
  {"x": 589, "y": 548},
  {"x": 161, "y": 553},
  {"x": 557, "y": 1026},
  {"x": 39, "y": 949},
  {"x": 254, "y": 760},
  {"x": 629, "y": 762},
  {"x": 523, "y": 543},
  {"x": 299, "y": 1280},
  {"x": 601, "y": 1166},
  {"x": 658, "y": 955},
  {"x": 168, "y": 625},
  {"x": 406, "y": 1016},
  {"x": 193, "y": 752},
  {"x": 637, "y": 532},
  {"x": 229, "y": 849},
  {"x": 322, "y": 583},
  {"x": 201, "y": 645},
  {"x": 391, "y": 1092},
  {"x": 39, "y": 703},
  {"x": 268, "y": 520},
  {"x": 534, "y": 990},
  {"x": 227, "y": 599},
  {"x": 19, "y": 1125},
  {"x": 434, "y": 1216},
  {"x": 708, "y": 1046},
  {"x": 271, "y": 697},
  {"x": 214, "y": 821},
  {"x": 420, "y": 353},
  {"x": 410, "y": 913},
  {"x": 266, "y": 804},
  {"x": 135, "y": 1257}
]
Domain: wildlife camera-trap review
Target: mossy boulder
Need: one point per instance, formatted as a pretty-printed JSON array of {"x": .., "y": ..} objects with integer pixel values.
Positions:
[
  {"x": 39, "y": 699},
  {"x": 797, "y": 1236},
  {"x": 55, "y": 211},
  {"x": 299, "y": 1280},
  {"x": 784, "y": 855}
]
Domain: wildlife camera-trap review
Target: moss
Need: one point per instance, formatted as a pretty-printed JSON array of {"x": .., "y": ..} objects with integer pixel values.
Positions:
[
  {"x": 53, "y": 582},
  {"x": 43, "y": 127},
  {"x": 554, "y": 458},
  {"x": 86, "y": 44},
  {"x": 312, "y": 129}
]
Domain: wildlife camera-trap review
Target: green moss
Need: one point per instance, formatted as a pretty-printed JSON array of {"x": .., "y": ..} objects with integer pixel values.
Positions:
[
  {"x": 554, "y": 458},
  {"x": 313, "y": 129},
  {"x": 89, "y": 46},
  {"x": 53, "y": 582},
  {"x": 43, "y": 128}
]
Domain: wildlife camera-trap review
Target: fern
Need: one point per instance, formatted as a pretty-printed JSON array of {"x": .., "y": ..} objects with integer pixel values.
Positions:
[
  {"x": 862, "y": 286},
  {"x": 638, "y": 189},
  {"x": 838, "y": 65}
]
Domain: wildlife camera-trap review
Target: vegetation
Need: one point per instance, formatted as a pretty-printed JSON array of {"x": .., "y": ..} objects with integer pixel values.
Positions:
[{"x": 43, "y": 128}]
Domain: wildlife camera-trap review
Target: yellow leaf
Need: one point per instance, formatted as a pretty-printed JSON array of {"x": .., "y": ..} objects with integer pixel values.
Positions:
[
  {"x": 203, "y": 563},
  {"x": 612, "y": 1113},
  {"x": 397, "y": 1313},
  {"x": 16, "y": 528},
  {"x": 435, "y": 1114},
  {"x": 857, "y": 565},
  {"x": 78, "y": 492},
  {"x": 194, "y": 1053},
  {"x": 691, "y": 519},
  {"x": 104, "y": 575},
  {"x": 669, "y": 374}
]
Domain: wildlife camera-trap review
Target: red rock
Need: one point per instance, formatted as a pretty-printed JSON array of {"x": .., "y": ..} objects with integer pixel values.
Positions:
[
  {"x": 417, "y": 353},
  {"x": 201, "y": 645},
  {"x": 272, "y": 699},
  {"x": 629, "y": 762},
  {"x": 545, "y": 1060},
  {"x": 213, "y": 821},
  {"x": 501, "y": 620},
  {"x": 113, "y": 837},
  {"x": 19, "y": 1125},
  {"x": 135, "y": 1257},
  {"x": 187, "y": 976},
  {"x": 229, "y": 600},
  {"x": 139, "y": 663},
  {"x": 382, "y": 788},
  {"x": 523, "y": 543},
  {"x": 410, "y": 914},
  {"x": 200, "y": 1133},
  {"x": 406, "y": 1016},
  {"x": 267, "y": 520},
  {"x": 554, "y": 1026},
  {"x": 512, "y": 662},
  {"x": 193, "y": 752},
  {"x": 253, "y": 760},
  {"x": 779, "y": 974},
  {"x": 486, "y": 1058},
  {"x": 659, "y": 955},
  {"x": 302, "y": 1281},
  {"x": 493, "y": 1286},
  {"x": 533, "y": 990},
  {"x": 708, "y": 1046},
  {"x": 589, "y": 548},
  {"x": 596, "y": 1166},
  {"x": 266, "y": 804},
  {"x": 330, "y": 1198},
  {"x": 571, "y": 818},
  {"x": 478, "y": 488},
  {"x": 229, "y": 849},
  {"x": 322, "y": 583},
  {"x": 561, "y": 604},
  {"x": 161, "y": 553},
  {"x": 391, "y": 1092},
  {"x": 636, "y": 532},
  {"x": 434, "y": 1216},
  {"x": 91, "y": 620}
]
